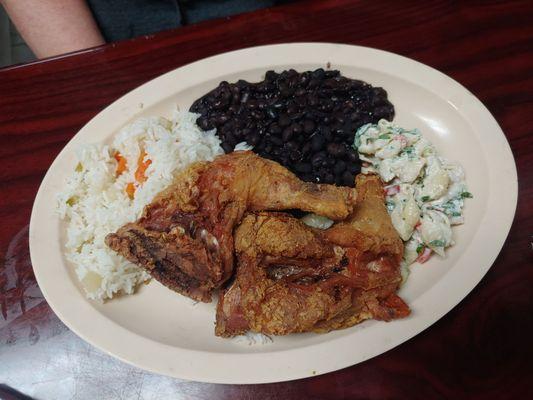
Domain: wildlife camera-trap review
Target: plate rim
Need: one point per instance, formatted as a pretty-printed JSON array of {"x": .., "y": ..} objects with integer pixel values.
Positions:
[{"x": 194, "y": 367}]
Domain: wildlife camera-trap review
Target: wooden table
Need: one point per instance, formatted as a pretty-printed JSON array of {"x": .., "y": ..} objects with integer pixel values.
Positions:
[{"x": 481, "y": 349}]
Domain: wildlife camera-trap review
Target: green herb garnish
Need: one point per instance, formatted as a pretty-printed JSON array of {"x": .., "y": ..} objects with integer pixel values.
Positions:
[
  {"x": 420, "y": 248},
  {"x": 466, "y": 195},
  {"x": 425, "y": 198},
  {"x": 456, "y": 214},
  {"x": 437, "y": 243},
  {"x": 383, "y": 136}
]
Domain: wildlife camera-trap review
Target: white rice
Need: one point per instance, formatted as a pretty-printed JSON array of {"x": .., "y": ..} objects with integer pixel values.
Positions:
[
  {"x": 94, "y": 202},
  {"x": 243, "y": 146},
  {"x": 253, "y": 338}
]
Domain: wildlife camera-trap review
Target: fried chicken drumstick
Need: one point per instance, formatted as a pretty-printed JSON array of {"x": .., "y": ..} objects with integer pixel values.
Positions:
[
  {"x": 184, "y": 238},
  {"x": 293, "y": 278}
]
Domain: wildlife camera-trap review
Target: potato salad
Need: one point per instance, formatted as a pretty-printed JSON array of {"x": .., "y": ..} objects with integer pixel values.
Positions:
[{"x": 425, "y": 192}]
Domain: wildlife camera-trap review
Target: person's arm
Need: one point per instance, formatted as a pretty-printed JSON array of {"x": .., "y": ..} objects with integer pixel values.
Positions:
[{"x": 52, "y": 27}]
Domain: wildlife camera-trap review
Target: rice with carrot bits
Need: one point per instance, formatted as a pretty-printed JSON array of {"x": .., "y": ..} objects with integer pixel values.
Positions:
[{"x": 110, "y": 186}]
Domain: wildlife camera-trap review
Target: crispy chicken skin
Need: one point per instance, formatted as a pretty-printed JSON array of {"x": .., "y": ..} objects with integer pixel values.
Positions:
[
  {"x": 184, "y": 238},
  {"x": 293, "y": 278}
]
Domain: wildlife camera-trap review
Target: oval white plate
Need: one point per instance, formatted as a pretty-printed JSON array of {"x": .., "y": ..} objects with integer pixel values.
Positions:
[{"x": 163, "y": 332}]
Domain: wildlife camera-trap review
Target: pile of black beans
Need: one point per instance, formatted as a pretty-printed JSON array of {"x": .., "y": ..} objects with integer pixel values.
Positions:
[{"x": 305, "y": 121}]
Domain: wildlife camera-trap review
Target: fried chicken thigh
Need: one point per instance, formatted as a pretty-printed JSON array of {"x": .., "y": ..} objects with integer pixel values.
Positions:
[
  {"x": 293, "y": 278},
  {"x": 184, "y": 238}
]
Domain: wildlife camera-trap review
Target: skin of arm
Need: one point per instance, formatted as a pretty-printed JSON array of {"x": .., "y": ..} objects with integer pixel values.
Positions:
[{"x": 52, "y": 27}]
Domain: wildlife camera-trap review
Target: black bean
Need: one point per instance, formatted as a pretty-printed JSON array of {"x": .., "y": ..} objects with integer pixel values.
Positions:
[
  {"x": 235, "y": 91},
  {"x": 313, "y": 83},
  {"x": 301, "y": 101},
  {"x": 307, "y": 177},
  {"x": 257, "y": 114},
  {"x": 306, "y": 148},
  {"x": 326, "y": 132},
  {"x": 284, "y": 120},
  {"x": 284, "y": 90},
  {"x": 329, "y": 178},
  {"x": 379, "y": 94},
  {"x": 270, "y": 76},
  {"x": 292, "y": 109},
  {"x": 271, "y": 113},
  {"x": 295, "y": 155},
  {"x": 230, "y": 138},
  {"x": 309, "y": 126},
  {"x": 339, "y": 117},
  {"x": 354, "y": 168},
  {"x": 310, "y": 115},
  {"x": 318, "y": 158},
  {"x": 355, "y": 116},
  {"x": 304, "y": 78},
  {"x": 226, "y": 95},
  {"x": 340, "y": 167},
  {"x": 203, "y": 123},
  {"x": 352, "y": 156},
  {"x": 336, "y": 149},
  {"x": 287, "y": 134},
  {"x": 261, "y": 88},
  {"x": 382, "y": 112},
  {"x": 317, "y": 142},
  {"x": 318, "y": 74},
  {"x": 329, "y": 83},
  {"x": 250, "y": 124},
  {"x": 276, "y": 141},
  {"x": 291, "y": 145},
  {"x": 331, "y": 73},
  {"x": 303, "y": 167},
  {"x": 297, "y": 116},
  {"x": 220, "y": 104},
  {"x": 274, "y": 129},
  {"x": 348, "y": 178},
  {"x": 312, "y": 100},
  {"x": 326, "y": 105},
  {"x": 221, "y": 119},
  {"x": 348, "y": 140},
  {"x": 228, "y": 148},
  {"x": 296, "y": 128},
  {"x": 253, "y": 138},
  {"x": 245, "y": 96}
]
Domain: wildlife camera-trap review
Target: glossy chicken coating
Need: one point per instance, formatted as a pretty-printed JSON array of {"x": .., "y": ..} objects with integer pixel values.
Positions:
[
  {"x": 292, "y": 278},
  {"x": 184, "y": 238}
]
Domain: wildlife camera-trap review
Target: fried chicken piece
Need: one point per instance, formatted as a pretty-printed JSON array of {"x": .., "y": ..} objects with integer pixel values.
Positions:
[
  {"x": 184, "y": 238},
  {"x": 292, "y": 278},
  {"x": 369, "y": 227}
]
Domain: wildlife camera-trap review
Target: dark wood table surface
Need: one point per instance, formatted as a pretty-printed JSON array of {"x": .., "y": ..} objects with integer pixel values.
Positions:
[{"x": 481, "y": 349}]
